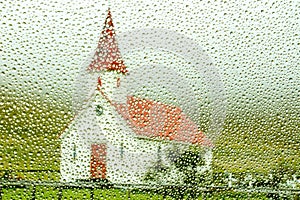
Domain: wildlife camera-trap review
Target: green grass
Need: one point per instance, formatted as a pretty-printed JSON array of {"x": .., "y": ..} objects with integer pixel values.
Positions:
[
  {"x": 16, "y": 194},
  {"x": 46, "y": 193}
]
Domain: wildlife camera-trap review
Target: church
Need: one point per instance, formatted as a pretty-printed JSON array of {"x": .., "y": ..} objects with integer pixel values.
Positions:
[{"x": 120, "y": 141}]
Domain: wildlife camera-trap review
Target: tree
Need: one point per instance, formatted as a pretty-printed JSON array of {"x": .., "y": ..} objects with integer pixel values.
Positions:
[
  {"x": 185, "y": 162},
  {"x": 188, "y": 162}
]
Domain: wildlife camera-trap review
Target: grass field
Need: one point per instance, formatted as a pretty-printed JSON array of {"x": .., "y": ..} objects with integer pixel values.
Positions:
[{"x": 43, "y": 193}]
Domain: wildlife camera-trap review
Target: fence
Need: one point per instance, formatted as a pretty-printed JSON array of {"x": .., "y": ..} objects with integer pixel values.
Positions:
[{"x": 163, "y": 190}]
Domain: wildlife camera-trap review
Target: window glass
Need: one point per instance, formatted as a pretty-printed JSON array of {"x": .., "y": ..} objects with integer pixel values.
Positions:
[{"x": 155, "y": 100}]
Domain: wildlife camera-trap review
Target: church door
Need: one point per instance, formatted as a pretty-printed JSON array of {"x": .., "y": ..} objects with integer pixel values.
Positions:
[{"x": 98, "y": 161}]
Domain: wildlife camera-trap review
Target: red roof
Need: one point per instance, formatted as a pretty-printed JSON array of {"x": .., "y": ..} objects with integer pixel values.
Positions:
[
  {"x": 107, "y": 55},
  {"x": 157, "y": 120}
]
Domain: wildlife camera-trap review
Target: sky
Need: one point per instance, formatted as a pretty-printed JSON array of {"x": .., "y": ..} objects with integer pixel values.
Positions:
[{"x": 254, "y": 45}]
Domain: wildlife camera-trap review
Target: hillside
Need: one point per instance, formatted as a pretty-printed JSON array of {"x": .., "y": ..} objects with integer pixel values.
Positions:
[{"x": 28, "y": 132}]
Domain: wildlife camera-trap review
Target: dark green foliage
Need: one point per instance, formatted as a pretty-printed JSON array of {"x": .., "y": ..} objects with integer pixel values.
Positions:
[{"x": 187, "y": 163}]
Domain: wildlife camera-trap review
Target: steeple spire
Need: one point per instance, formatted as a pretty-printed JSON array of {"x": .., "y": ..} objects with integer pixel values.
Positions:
[{"x": 107, "y": 55}]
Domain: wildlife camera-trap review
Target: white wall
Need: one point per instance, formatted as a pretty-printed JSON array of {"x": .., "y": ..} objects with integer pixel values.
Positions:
[{"x": 67, "y": 162}]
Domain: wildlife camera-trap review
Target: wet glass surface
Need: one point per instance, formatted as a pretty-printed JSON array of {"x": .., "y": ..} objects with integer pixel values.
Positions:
[{"x": 163, "y": 100}]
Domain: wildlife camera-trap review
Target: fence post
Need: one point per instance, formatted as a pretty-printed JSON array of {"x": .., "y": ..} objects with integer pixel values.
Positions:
[
  {"x": 164, "y": 193},
  {"x": 296, "y": 197},
  {"x": 128, "y": 193},
  {"x": 33, "y": 191},
  {"x": 92, "y": 193},
  {"x": 59, "y": 196},
  {"x": 1, "y": 188}
]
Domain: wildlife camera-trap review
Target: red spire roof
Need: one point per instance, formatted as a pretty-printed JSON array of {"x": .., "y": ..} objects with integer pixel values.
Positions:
[{"x": 107, "y": 55}]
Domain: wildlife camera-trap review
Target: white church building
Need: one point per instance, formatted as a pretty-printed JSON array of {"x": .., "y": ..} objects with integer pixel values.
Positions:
[{"x": 117, "y": 141}]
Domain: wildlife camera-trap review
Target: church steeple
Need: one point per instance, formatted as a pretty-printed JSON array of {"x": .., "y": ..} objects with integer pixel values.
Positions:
[{"x": 107, "y": 55}]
